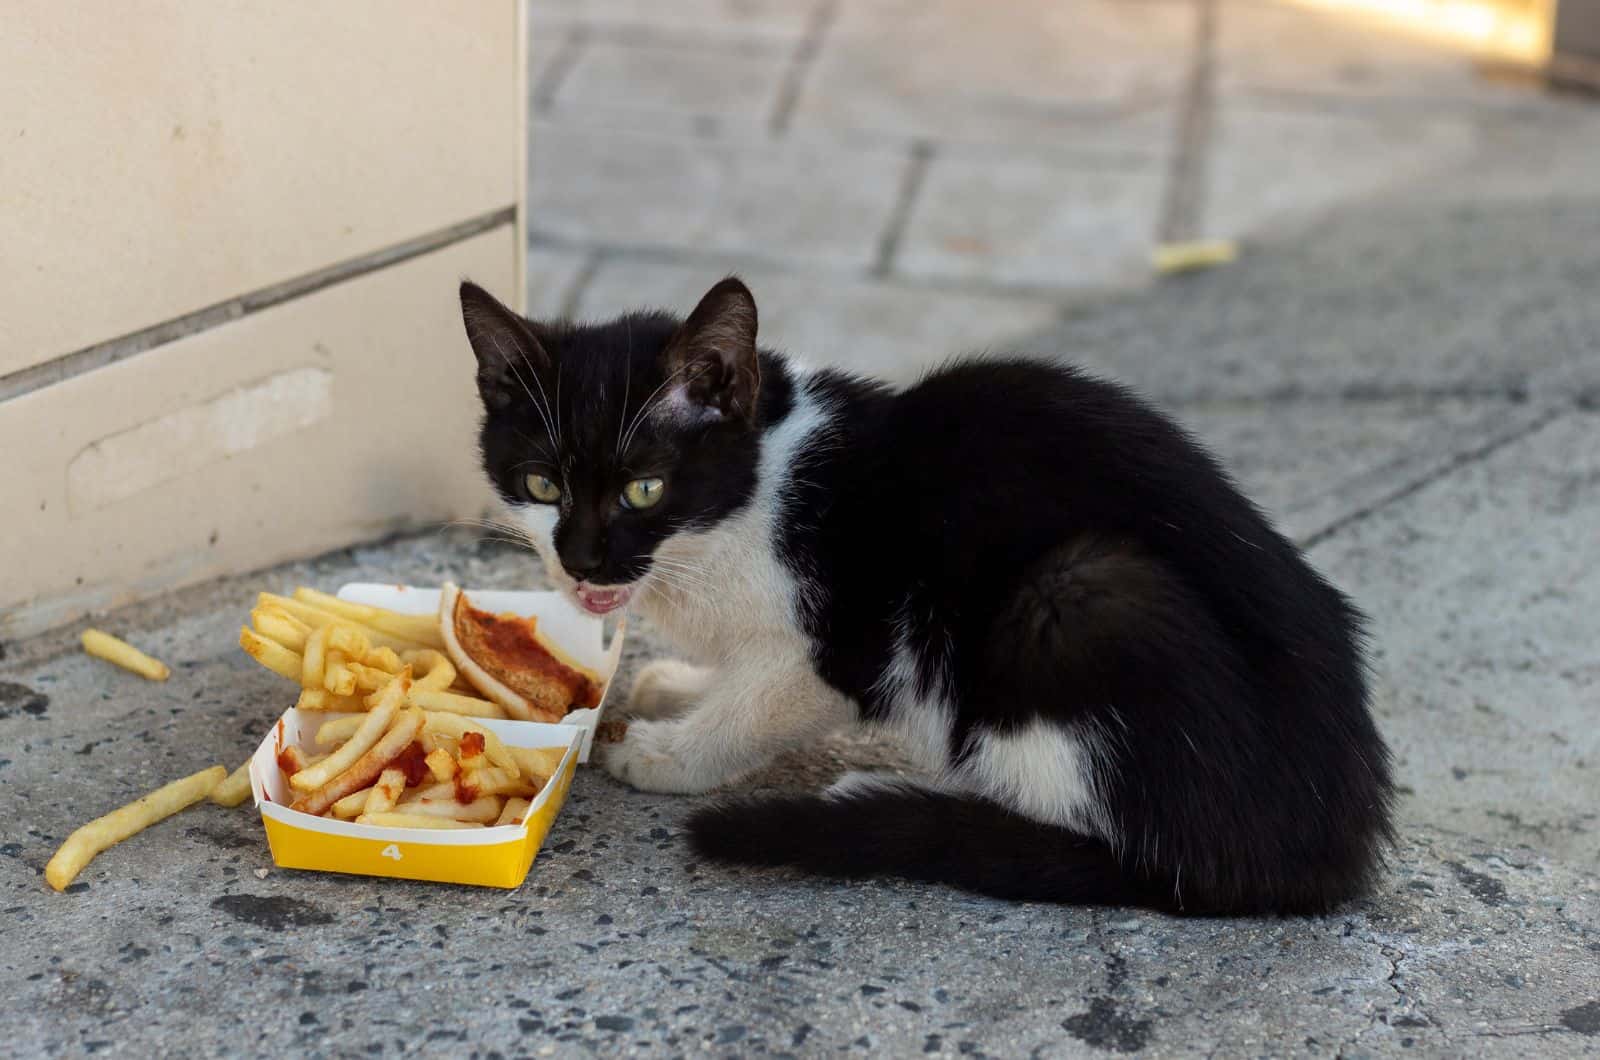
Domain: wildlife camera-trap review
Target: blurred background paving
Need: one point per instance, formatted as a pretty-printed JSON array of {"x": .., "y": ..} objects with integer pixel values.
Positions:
[{"x": 1404, "y": 368}]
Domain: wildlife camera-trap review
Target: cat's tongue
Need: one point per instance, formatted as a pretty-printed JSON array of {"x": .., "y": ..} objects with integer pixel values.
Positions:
[{"x": 601, "y": 601}]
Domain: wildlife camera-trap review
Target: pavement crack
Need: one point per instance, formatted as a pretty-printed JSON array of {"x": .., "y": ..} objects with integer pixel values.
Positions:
[
  {"x": 1183, "y": 208},
  {"x": 1464, "y": 458},
  {"x": 561, "y": 64},
  {"x": 805, "y": 56},
  {"x": 905, "y": 201}
]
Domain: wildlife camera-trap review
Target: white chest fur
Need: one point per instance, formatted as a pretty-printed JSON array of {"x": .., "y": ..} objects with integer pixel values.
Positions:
[{"x": 722, "y": 590}]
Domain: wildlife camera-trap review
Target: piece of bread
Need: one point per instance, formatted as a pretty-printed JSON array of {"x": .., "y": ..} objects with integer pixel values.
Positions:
[{"x": 505, "y": 659}]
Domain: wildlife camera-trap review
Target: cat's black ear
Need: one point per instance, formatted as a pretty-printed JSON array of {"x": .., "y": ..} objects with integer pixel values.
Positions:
[
  {"x": 505, "y": 345},
  {"x": 715, "y": 351}
]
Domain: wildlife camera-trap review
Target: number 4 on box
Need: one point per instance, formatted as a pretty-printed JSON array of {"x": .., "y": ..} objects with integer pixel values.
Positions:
[{"x": 391, "y": 851}]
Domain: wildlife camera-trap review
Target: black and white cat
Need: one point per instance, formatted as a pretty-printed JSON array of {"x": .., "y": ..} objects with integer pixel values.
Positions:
[{"x": 1127, "y": 687}]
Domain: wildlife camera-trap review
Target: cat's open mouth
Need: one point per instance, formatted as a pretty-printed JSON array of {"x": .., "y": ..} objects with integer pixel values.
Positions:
[{"x": 598, "y": 601}]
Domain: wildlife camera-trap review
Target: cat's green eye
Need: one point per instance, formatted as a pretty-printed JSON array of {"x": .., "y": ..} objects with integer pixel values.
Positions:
[
  {"x": 642, "y": 493},
  {"x": 541, "y": 489}
]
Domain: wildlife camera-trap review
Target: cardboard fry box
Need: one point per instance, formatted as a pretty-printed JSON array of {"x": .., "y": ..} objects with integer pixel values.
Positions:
[
  {"x": 498, "y": 856},
  {"x": 579, "y": 635}
]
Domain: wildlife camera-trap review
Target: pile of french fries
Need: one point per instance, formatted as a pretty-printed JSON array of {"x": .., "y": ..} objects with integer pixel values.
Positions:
[
  {"x": 409, "y": 717},
  {"x": 398, "y": 766},
  {"x": 343, "y": 655}
]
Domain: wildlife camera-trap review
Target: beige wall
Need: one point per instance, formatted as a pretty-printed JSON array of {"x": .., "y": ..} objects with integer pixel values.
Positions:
[{"x": 325, "y": 173}]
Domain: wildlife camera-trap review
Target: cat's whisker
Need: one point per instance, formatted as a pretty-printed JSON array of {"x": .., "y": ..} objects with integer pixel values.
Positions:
[{"x": 627, "y": 387}]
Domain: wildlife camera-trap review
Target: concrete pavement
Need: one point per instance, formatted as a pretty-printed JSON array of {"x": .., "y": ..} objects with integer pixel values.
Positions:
[{"x": 1404, "y": 368}]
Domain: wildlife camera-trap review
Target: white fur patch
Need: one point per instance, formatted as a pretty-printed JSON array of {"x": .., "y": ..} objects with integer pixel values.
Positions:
[
  {"x": 717, "y": 588},
  {"x": 724, "y": 596},
  {"x": 539, "y": 522},
  {"x": 922, "y": 722},
  {"x": 1043, "y": 771}
]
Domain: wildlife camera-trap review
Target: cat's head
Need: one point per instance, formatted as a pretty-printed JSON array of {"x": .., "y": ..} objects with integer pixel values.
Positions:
[{"x": 608, "y": 440}]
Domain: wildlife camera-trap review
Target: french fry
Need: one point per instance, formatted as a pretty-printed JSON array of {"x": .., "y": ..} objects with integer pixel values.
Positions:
[
  {"x": 456, "y": 727},
  {"x": 271, "y": 654},
  {"x": 441, "y": 764},
  {"x": 481, "y": 810},
  {"x": 453, "y": 703},
  {"x": 370, "y": 678},
  {"x": 292, "y": 760},
  {"x": 408, "y": 820},
  {"x": 315, "y": 658},
  {"x": 367, "y": 768},
  {"x": 346, "y": 638},
  {"x": 432, "y": 793},
  {"x": 513, "y": 811},
  {"x": 103, "y": 645},
  {"x": 436, "y": 670},
  {"x": 471, "y": 755},
  {"x": 538, "y": 761},
  {"x": 280, "y": 626},
  {"x": 339, "y": 729},
  {"x": 82, "y": 845},
  {"x": 337, "y": 676},
  {"x": 385, "y": 659},
  {"x": 235, "y": 789},
  {"x": 316, "y": 699},
  {"x": 366, "y": 736},
  {"x": 351, "y": 806},
  {"x": 424, "y": 629},
  {"x": 316, "y": 617},
  {"x": 475, "y": 783},
  {"x": 386, "y": 792}
]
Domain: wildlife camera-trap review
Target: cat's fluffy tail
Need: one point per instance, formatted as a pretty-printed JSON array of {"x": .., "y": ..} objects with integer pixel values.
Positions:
[{"x": 901, "y": 829}]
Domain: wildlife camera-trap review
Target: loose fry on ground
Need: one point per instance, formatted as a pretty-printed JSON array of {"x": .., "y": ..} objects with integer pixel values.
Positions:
[
  {"x": 1182, "y": 257},
  {"x": 269, "y": 653},
  {"x": 538, "y": 761},
  {"x": 367, "y": 768},
  {"x": 408, "y": 820},
  {"x": 481, "y": 810},
  {"x": 436, "y": 670},
  {"x": 423, "y": 629},
  {"x": 351, "y": 806},
  {"x": 339, "y": 729},
  {"x": 456, "y": 727},
  {"x": 103, "y": 645},
  {"x": 453, "y": 703},
  {"x": 513, "y": 811},
  {"x": 280, "y": 626},
  {"x": 440, "y": 764},
  {"x": 375, "y": 726},
  {"x": 81, "y": 846},
  {"x": 386, "y": 792},
  {"x": 235, "y": 789}
]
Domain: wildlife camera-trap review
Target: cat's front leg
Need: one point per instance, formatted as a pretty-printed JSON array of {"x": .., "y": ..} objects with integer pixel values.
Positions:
[
  {"x": 667, "y": 688},
  {"x": 748, "y": 713}
]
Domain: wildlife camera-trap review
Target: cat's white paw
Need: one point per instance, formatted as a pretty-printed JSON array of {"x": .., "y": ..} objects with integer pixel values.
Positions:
[
  {"x": 647, "y": 759},
  {"x": 665, "y": 689}
]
